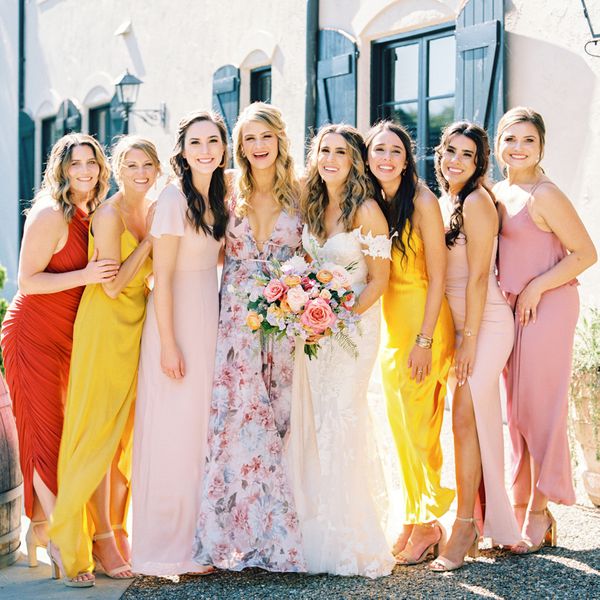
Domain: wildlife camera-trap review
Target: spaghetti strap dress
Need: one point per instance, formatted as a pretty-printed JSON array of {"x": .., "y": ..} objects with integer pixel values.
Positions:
[
  {"x": 415, "y": 410},
  {"x": 99, "y": 409},
  {"x": 539, "y": 369},
  {"x": 37, "y": 336}
]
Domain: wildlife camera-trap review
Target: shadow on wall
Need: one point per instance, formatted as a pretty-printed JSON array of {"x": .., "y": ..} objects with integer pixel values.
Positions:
[{"x": 559, "y": 84}]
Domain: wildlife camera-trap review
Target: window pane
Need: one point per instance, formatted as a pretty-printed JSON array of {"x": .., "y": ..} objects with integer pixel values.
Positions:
[
  {"x": 407, "y": 114},
  {"x": 441, "y": 113},
  {"x": 260, "y": 85},
  {"x": 442, "y": 66},
  {"x": 430, "y": 179},
  {"x": 406, "y": 72}
]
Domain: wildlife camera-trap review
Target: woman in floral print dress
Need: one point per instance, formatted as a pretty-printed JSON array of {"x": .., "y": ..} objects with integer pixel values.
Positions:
[{"x": 247, "y": 514}]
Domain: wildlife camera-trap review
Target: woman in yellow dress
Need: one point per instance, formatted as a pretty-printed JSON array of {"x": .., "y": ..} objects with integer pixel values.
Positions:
[
  {"x": 95, "y": 455},
  {"x": 417, "y": 340}
]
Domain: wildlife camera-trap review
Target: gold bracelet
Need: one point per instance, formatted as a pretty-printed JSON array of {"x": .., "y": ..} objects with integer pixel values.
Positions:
[
  {"x": 423, "y": 341},
  {"x": 468, "y": 332}
]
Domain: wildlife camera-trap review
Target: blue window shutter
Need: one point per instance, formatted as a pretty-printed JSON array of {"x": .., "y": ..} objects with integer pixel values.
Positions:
[
  {"x": 480, "y": 63},
  {"x": 26, "y": 164},
  {"x": 226, "y": 94},
  {"x": 336, "y": 78},
  {"x": 68, "y": 119}
]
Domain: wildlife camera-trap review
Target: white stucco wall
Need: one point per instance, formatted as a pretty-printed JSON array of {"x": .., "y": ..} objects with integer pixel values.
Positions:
[{"x": 9, "y": 120}]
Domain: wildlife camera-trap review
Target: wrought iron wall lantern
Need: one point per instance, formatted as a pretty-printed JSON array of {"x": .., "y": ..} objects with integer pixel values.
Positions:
[
  {"x": 128, "y": 87},
  {"x": 592, "y": 47}
]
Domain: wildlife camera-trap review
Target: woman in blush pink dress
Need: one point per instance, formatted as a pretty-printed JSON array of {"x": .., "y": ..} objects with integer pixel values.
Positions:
[
  {"x": 543, "y": 247},
  {"x": 178, "y": 351},
  {"x": 484, "y": 339}
]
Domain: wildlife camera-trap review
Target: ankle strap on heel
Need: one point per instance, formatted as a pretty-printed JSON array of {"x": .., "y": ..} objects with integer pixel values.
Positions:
[
  {"x": 103, "y": 536},
  {"x": 469, "y": 520}
]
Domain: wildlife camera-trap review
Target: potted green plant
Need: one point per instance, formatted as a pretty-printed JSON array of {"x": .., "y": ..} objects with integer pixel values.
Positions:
[{"x": 585, "y": 399}]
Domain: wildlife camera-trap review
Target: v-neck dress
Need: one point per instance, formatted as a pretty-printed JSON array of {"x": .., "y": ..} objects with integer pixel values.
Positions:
[
  {"x": 247, "y": 515},
  {"x": 99, "y": 409}
]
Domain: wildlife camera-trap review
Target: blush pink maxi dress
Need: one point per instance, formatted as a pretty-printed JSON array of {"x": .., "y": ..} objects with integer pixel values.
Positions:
[
  {"x": 539, "y": 369},
  {"x": 494, "y": 344}
]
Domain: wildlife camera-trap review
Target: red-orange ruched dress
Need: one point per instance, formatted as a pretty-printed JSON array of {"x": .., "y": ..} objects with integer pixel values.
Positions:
[{"x": 37, "y": 335}]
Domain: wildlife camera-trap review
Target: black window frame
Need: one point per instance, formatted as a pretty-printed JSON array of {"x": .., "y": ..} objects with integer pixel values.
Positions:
[
  {"x": 48, "y": 137},
  {"x": 257, "y": 77},
  {"x": 379, "y": 80},
  {"x": 93, "y": 119}
]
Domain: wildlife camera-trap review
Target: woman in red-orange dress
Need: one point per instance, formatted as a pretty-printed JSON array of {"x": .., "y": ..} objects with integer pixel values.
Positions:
[{"x": 37, "y": 332}]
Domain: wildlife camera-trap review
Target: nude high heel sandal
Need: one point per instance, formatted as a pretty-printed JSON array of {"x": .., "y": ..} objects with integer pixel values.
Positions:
[
  {"x": 57, "y": 569},
  {"x": 442, "y": 564},
  {"x": 404, "y": 558},
  {"x": 32, "y": 542},
  {"x": 550, "y": 536},
  {"x": 117, "y": 570}
]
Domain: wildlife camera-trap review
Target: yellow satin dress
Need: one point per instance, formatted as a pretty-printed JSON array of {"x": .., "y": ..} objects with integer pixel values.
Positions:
[
  {"x": 415, "y": 410},
  {"x": 99, "y": 407}
]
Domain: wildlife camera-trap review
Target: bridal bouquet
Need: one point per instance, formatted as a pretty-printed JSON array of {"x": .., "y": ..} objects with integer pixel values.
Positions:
[{"x": 302, "y": 300}]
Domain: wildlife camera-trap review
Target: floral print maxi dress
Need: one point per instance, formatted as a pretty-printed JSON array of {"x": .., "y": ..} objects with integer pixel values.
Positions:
[{"x": 247, "y": 513}]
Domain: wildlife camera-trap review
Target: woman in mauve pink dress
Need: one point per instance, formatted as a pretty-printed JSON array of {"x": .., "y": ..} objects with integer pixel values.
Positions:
[{"x": 543, "y": 247}]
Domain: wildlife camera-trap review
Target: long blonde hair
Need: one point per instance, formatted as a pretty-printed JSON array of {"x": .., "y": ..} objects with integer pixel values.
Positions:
[
  {"x": 56, "y": 181},
  {"x": 357, "y": 189},
  {"x": 127, "y": 143},
  {"x": 285, "y": 186}
]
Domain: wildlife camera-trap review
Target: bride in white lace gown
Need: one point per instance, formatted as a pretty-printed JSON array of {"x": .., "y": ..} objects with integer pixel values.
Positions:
[{"x": 336, "y": 473}]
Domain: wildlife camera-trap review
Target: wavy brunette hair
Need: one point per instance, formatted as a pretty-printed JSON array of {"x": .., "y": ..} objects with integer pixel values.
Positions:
[
  {"x": 479, "y": 137},
  {"x": 132, "y": 142},
  {"x": 357, "y": 189},
  {"x": 56, "y": 180},
  {"x": 399, "y": 209},
  {"x": 217, "y": 191},
  {"x": 520, "y": 114},
  {"x": 285, "y": 186}
]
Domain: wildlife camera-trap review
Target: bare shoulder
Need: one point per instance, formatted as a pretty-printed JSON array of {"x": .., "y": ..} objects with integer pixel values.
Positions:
[
  {"x": 47, "y": 214},
  {"x": 547, "y": 196},
  {"x": 425, "y": 199},
  {"x": 370, "y": 216},
  {"x": 479, "y": 201}
]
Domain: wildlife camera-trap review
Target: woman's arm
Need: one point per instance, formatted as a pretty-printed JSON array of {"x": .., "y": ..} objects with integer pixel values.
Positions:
[
  {"x": 560, "y": 217},
  {"x": 481, "y": 228},
  {"x": 372, "y": 220},
  {"x": 165, "y": 250},
  {"x": 428, "y": 220},
  {"x": 44, "y": 230},
  {"x": 107, "y": 228}
]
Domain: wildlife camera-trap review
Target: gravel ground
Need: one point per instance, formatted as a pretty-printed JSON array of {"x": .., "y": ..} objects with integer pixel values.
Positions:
[{"x": 572, "y": 570}]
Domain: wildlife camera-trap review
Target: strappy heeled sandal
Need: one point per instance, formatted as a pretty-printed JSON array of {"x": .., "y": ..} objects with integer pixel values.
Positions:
[
  {"x": 32, "y": 541},
  {"x": 113, "y": 573},
  {"x": 548, "y": 539},
  {"x": 441, "y": 564},
  {"x": 404, "y": 558},
  {"x": 57, "y": 569}
]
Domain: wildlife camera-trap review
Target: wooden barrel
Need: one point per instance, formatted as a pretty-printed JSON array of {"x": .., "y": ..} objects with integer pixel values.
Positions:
[{"x": 11, "y": 482}]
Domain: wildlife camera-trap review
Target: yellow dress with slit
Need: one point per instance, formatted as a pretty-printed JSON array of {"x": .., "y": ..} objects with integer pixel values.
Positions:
[
  {"x": 99, "y": 407},
  {"x": 415, "y": 410}
]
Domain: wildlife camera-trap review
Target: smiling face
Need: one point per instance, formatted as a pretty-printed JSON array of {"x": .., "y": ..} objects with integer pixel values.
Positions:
[
  {"x": 333, "y": 160},
  {"x": 83, "y": 170},
  {"x": 138, "y": 172},
  {"x": 259, "y": 144},
  {"x": 458, "y": 161},
  {"x": 203, "y": 147},
  {"x": 387, "y": 157},
  {"x": 520, "y": 146}
]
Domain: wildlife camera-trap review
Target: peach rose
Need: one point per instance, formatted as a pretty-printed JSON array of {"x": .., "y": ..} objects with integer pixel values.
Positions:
[
  {"x": 292, "y": 280},
  {"x": 253, "y": 320},
  {"x": 341, "y": 278},
  {"x": 324, "y": 276},
  {"x": 317, "y": 315},
  {"x": 325, "y": 294},
  {"x": 274, "y": 290},
  {"x": 297, "y": 298}
]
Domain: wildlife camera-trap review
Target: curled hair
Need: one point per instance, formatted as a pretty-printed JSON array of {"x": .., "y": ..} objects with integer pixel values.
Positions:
[
  {"x": 56, "y": 180},
  {"x": 357, "y": 188},
  {"x": 217, "y": 191},
  {"x": 127, "y": 143},
  {"x": 286, "y": 189},
  {"x": 398, "y": 210},
  {"x": 482, "y": 160},
  {"x": 520, "y": 114}
]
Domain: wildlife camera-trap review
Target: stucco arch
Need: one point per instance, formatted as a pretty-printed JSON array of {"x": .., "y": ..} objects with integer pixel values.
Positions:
[
  {"x": 96, "y": 89},
  {"x": 48, "y": 106},
  {"x": 255, "y": 49},
  {"x": 381, "y": 16}
]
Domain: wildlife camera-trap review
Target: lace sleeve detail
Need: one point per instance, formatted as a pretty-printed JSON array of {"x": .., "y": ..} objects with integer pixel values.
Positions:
[{"x": 378, "y": 246}]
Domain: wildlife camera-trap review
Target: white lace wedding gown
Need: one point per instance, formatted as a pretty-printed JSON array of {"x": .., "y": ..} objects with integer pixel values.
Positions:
[{"x": 335, "y": 469}]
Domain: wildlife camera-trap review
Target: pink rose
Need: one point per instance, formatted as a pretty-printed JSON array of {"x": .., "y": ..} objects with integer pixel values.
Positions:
[
  {"x": 307, "y": 283},
  {"x": 317, "y": 315},
  {"x": 341, "y": 278},
  {"x": 297, "y": 298},
  {"x": 274, "y": 290}
]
